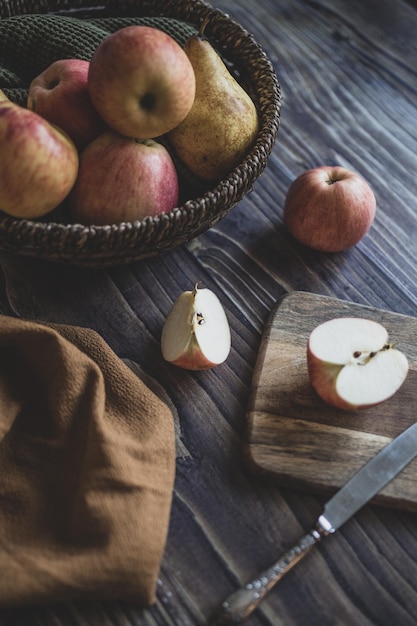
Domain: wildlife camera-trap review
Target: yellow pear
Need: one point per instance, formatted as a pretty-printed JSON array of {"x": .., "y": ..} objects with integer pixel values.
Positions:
[{"x": 222, "y": 124}]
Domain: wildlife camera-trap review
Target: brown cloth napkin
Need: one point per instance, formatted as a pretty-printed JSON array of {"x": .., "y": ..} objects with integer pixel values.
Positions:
[{"x": 87, "y": 464}]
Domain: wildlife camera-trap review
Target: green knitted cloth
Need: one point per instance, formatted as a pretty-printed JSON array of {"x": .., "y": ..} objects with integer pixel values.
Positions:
[{"x": 30, "y": 43}]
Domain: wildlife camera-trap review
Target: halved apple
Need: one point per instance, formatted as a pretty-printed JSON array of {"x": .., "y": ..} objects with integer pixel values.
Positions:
[
  {"x": 352, "y": 364},
  {"x": 196, "y": 333}
]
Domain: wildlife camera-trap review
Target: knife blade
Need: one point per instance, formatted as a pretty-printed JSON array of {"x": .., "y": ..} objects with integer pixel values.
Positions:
[{"x": 359, "y": 490}]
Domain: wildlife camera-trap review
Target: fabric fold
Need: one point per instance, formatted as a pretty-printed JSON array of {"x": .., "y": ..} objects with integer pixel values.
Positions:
[{"x": 87, "y": 466}]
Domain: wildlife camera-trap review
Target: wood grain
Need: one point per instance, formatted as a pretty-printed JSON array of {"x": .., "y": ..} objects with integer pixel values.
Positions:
[
  {"x": 348, "y": 72},
  {"x": 297, "y": 437}
]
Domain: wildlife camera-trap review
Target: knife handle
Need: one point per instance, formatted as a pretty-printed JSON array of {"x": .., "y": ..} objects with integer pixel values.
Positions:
[{"x": 241, "y": 604}]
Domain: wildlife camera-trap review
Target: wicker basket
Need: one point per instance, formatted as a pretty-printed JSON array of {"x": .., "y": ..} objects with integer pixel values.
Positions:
[{"x": 97, "y": 246}]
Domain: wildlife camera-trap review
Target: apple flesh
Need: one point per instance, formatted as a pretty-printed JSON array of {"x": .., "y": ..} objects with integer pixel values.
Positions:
[
  {"x": 352, "y": 364},
  {"x": 123, "y": 180},
  {"x": 38, "y": 163},
  {"x": 60, "y": 95},
  {"x": 196, "y": 333},
  {"x": 141, "y": 82},
  {"x": 329, "y": 208}
]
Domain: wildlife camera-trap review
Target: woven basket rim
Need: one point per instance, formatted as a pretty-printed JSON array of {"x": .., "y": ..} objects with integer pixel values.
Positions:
[{"x": 130, "y": 241}]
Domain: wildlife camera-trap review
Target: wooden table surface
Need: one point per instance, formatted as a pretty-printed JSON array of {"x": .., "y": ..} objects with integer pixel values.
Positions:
[{"x": 348, "y": 72}]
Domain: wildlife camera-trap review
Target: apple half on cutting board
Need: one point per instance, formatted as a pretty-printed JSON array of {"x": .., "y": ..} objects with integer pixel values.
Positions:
[{"x": 352, "y": 364}]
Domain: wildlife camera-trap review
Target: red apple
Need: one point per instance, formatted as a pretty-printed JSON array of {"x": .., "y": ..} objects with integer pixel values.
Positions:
[
  {"x": 60, "y": 95},
  {"x": 38, "y": 163},
  {"x": 352, "y": 364},
  {"x": 123, "y": 180},
  {"x": 329, "y": 208},
  {"x": 141, "y": 82}
]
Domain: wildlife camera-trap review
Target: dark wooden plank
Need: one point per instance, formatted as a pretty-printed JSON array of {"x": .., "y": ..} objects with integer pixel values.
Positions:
[{"x": 348, "y": 72}]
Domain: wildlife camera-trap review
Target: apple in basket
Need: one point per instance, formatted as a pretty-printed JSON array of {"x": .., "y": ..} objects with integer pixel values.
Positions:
[
  {"x": 60, "y": 95},
  {"x": 123, "y": 180},
  {"x": 329, "y": 208},
  {"x": 38, "y": 162},
  {"x": 196, "y": 333},
  {"x": 141, "y": 82},
  {"x": 352, "y": 364}
]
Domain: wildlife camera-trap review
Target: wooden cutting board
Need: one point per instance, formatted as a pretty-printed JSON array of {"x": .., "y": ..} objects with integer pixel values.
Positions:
[{"x": 300, "y": 441}]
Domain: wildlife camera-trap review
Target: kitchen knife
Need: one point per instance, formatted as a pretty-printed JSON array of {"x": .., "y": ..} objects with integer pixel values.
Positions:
[{"x": 361, "y": 488}]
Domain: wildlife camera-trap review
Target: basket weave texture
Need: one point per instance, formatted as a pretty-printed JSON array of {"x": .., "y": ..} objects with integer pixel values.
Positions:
[{"x": 35, "y": 33}]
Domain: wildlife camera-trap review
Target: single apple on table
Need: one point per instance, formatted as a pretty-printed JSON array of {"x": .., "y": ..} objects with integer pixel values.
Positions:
[
  {"x": 141, "y": 82},
  {"x": 196, "y": 333},
  {"x": 352, "y": 364},
  {"x": 329, "y": 208},
  {"x": 60, "y": 95},
  {"x": 123, "y": 180},
  {"x": 38, "y": 163}
]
